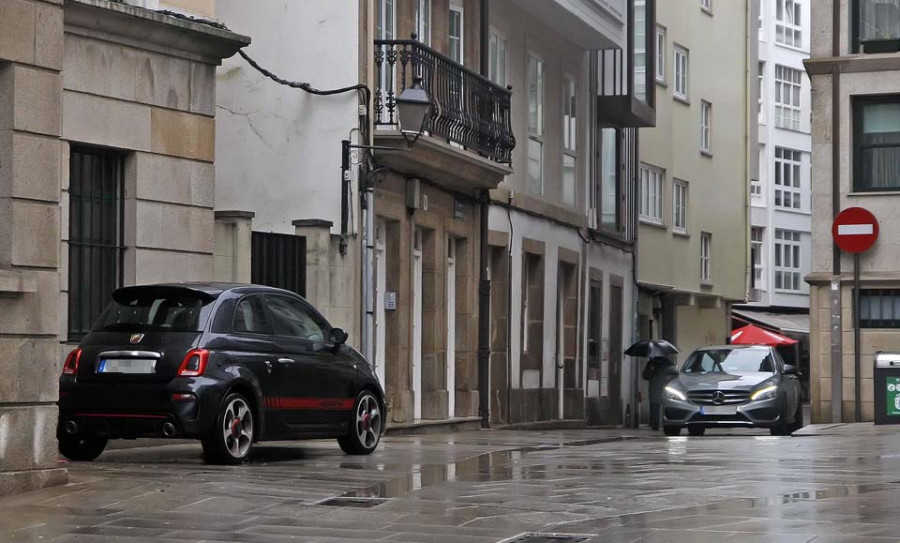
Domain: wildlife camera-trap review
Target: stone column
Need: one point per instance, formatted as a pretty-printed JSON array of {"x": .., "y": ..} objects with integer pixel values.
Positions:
[
  {"x": 31, "y": 172},
  {"x": 233, "y": 238},
  {"x": 318, "y": 260}
]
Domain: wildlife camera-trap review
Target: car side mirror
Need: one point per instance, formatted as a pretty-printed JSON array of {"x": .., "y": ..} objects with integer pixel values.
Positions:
[
  {"x": 672, "y": 371},
  {"x": 339, "y": 336},
  {"x": 790, "y": 369}
]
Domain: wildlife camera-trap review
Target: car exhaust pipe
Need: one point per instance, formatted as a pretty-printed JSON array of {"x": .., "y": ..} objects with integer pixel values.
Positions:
[
  {"x": 71, "y": 427},
  {"x": 168, "y": 429}
]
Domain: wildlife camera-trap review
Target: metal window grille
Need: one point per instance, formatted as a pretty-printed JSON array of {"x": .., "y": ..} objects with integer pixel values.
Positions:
[
  {"x": 95, "y": 234},
  {"x": 278, "y": 260},
  {"x": 879, "y": 308}
]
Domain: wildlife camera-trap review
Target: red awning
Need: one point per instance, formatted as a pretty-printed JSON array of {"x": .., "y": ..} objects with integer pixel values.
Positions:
[{"x": 754, "y": 335}]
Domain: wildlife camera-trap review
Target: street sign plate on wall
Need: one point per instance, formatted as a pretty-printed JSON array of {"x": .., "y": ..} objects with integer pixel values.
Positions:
[{"x": 855, "y": 230}]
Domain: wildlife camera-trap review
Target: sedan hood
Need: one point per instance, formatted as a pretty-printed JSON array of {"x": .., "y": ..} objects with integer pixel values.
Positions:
[{"x": 721, "y": 381}]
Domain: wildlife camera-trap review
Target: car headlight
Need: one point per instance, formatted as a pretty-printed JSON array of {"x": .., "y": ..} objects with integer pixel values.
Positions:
[
  {"x": 765, "y": 393},
  {"x": 674, "y": 394}
]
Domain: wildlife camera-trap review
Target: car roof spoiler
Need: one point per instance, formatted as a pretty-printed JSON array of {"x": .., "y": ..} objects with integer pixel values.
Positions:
[{"x": 125, "y": 294}]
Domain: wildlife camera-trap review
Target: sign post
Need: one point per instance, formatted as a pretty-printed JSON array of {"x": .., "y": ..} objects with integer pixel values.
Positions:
[{"x": 855, "y": 230}]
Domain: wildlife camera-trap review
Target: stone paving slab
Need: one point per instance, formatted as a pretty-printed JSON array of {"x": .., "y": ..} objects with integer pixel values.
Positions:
[{"x": 840, "y": 486}]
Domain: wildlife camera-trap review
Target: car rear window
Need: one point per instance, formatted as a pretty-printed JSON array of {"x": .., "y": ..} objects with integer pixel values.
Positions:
[{"x": 177, "y": 311}]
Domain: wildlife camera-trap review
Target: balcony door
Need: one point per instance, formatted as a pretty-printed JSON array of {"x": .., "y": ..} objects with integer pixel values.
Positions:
[
  {"x": 385, "y": 29},
  {"x": 417, "y": 325}
]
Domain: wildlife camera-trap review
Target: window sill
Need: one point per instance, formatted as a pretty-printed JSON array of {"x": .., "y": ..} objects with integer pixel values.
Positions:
[
  {"x": 794, "y": 130},
  {"x": 681, "y": 233},
  {"x": 652, "y": 222},
  {"x": 784, "y": 291},
  {"x": 790, "y": 47},
  {"x": 864, "y": 193},
  {"x": 707, "y": 284},
  {"x": 706, "y": 11},
  {"x": 707, "y": 154},
  {"x": 683, "y": 99},
  {"x": 792, "y": 210},
  {"x": 662, "y": 83}
]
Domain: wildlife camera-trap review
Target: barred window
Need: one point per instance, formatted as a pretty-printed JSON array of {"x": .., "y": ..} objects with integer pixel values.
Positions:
[{"x": 879, "y": 308}]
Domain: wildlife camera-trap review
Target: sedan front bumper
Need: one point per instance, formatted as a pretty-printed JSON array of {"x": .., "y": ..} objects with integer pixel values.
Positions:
[{"x": 759, "y": 413}]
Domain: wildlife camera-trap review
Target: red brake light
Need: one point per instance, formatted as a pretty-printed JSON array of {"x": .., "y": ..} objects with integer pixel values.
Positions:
[
  {"x": 71, "y": 365},
  {"x": 194, "y": 363}
]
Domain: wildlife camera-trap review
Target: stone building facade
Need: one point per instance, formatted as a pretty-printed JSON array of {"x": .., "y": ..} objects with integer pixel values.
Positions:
[
  {"x": 107, "y": 138},
  {"x": 855, "y": 71}
]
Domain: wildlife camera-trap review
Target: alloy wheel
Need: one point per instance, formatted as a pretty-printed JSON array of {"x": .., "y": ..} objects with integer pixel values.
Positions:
[
  {"x": 237, "y": 428},
  {"x": 368, "y": 421}
]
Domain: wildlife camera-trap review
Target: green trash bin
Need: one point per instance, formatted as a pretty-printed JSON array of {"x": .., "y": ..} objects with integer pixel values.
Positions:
[{"x": 887, "y": 388}]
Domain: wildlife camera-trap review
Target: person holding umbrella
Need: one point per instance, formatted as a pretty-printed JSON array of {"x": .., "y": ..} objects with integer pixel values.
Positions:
[{"x": 655, "y": 371}]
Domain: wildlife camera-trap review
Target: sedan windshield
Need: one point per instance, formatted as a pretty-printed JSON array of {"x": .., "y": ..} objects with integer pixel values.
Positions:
[
  {"x": 730, "y": 361},
  {"x": 153, "y": 312}
]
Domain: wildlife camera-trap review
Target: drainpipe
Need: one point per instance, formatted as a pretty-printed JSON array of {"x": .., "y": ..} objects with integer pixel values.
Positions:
[{"x": 484, "y": 283}]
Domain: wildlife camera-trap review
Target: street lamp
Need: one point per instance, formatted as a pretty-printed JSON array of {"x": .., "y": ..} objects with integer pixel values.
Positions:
[{"x": 414, "y": 109}]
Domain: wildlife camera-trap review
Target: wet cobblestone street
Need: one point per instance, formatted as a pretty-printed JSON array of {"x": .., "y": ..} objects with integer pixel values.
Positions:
[{"x": 840, "y": 485}]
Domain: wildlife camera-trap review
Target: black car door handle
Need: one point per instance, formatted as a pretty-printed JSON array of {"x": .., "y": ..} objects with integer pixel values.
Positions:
[{"x": 285, "y": 360}]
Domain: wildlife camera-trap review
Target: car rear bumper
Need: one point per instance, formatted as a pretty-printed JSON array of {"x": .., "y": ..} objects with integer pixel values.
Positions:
[
  {"x": 760, "y": 413},
  {"x": 132, "y": 410}
]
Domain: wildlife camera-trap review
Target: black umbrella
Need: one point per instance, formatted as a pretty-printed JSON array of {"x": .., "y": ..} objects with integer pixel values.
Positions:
[{"x": 652, "y": 348}]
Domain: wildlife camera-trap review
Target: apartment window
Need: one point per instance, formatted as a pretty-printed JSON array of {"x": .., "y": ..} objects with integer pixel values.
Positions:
[
  {"x": 756, "y": 185},
  {"x": 640, "y": 50},
  {"x": 876, "y": 26},
  {"x": 876, "y": 144},
  {"x": 787, "y": 97},
  {"x": 679, "y": 206},
  {"x": 762, "y": 5},
  {"x": 756, "y": 255},
  {"x": 278, "y": 260},
  {"x": 761, "y": 109},
  {"x": 787, "y": 260},
  {"x": 535, "y": 124},
  {"x": 95, "y": 234},
  {"x": 705, "y": 257},
  {"x": 652, "y": 194},
  {"x": 706, "y": 5},
  {"x": 423, "y": 21},
  {"x": 570, "y": 133},
  {"x": 498, "y": 59},
  {"x": 681, "y": 72},
  {"x": 705, "y": 126},
  {"x": 879, "y": 308},
  {"x": 787, "y": 178},
  {"x": 787, "y": 23},
  {"x": 455, "y": 33},
  {"x": 609, "y": 178},
  {"x": 661, "y": 54}
]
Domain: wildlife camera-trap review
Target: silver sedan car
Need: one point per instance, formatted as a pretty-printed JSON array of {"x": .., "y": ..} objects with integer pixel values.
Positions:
[{"x": 733, "y": 386}]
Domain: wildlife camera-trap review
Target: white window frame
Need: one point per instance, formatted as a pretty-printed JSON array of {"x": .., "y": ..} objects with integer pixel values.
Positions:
[
  {"x": 759, "y": 266},
  {"x": 762, "y": 92},
  {"x": 787, "y": 179},
  {"x": 424, "y": 21},
  {"x": 756, "y": 185},
  {"x": 681, "y": 67},
  {"x": 456, "y": 5},
  {"x": 498, "y": 68},
  {"x": 788, "y": 23},
  {"x": 660, "y": 54},
  {"x": 536, "y": 130},
  {"x": 788, "y": 93},
  {"x": 706, "y": 5},
  {"x": 652, "y": 194},
  {"x": 679, "y": 206},
  {"x": 705, "y": 127},
  {"x": 788, "y": 256},
  {"x": 569, "y": 138},
  {"x": 705, "y": 257}
]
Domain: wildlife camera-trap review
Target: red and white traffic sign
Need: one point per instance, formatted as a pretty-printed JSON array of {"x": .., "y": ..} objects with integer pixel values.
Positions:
[{"x": 855, "y": 230}]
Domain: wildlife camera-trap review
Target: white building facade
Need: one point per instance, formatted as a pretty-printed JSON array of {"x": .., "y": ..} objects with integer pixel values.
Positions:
[{"x": 780, "y": 197}]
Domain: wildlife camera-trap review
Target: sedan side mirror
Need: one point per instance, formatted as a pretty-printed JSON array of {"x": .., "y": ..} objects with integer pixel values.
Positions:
[
  {"x": 672, "y": 371},
  {"x": 339, "y": 336},
  {"x": 790, "y": 369}
]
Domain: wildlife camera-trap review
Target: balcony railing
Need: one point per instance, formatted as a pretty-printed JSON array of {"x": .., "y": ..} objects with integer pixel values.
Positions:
[{"x": 467, "y": 108}]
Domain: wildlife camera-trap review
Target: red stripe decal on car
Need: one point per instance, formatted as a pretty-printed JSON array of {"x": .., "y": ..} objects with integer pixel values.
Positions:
[{"x": 309, "y": 403}]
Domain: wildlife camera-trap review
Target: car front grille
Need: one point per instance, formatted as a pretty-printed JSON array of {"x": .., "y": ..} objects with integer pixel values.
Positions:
[{"x": 718, "y": 397}]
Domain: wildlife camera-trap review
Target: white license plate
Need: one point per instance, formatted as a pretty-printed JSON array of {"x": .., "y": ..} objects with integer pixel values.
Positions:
[
  {"x": 127, "y": 365},
  {"x": 718, "y": 410}
]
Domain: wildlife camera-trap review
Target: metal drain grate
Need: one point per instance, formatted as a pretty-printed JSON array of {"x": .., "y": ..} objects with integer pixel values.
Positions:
[
  {"x": 347, "y": 501},
  {"x": 537, "y": 537}
]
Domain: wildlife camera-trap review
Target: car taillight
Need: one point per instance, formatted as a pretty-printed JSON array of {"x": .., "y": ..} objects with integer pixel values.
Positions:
[
  {"x": 71, "y": 365},
  {"x": 194, "y": 363}
]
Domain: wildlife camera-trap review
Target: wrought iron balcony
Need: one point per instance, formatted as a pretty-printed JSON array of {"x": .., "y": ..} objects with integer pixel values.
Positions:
[{"x": 467, "y": 108}]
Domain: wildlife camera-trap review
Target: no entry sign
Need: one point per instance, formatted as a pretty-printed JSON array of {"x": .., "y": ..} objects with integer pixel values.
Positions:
[{"x": 855, "y": 230}]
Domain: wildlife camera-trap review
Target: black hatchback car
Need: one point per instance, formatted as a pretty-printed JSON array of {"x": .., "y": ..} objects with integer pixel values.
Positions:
[
  {"x": 229, "y": 365},
  {"x": 733, "y": 386}
]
